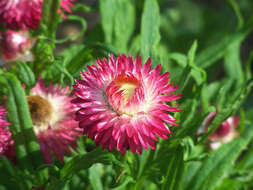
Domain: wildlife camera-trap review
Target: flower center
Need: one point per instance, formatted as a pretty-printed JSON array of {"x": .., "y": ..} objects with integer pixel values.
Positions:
[
  {"x": 41, "y": 111},
  {"x": 127, "y": 84},
  {"x": 123, "y": 94}
]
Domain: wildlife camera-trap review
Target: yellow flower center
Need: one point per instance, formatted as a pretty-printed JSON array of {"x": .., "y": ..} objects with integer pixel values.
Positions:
[
  {"x": 128, "y": 89},
  {"x": 128, "y": 84},
  {"x": 41, "y": 111}
]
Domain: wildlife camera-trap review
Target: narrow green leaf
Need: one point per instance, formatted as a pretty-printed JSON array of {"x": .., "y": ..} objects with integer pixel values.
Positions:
[
  {"x": 25, "y": 74},
  {"x": 234, "y": 5},
  {"x": 19, "y": 141},
  {"x": 50, "y": 16},
  {"x": 233, "y": 62},
  {"x": 144, "y": 160},
  {"x": 81, "y": 7},
  {"x": 213, "y": 52},
  {"x": 181, "y": 59},
  {"x": 82, "y": 162},
  {"x": 87, "y": 53},
  {"x": 95, "y": 174},
  {"x": 122, "y": 186},
  {"x": 248, "y": 73},
  {"x": 191, "y": 69},
  {"x": 246, "y": 163},
  {"x": 175, "y": 171},
  {"x": 135, "y": 45},
  {"x": 124, "y": 23},
  {"x": 230, "y": 109},
  {"x": 150, "y": 24},
  {"x": 107, "y": 18},
  {"x": 27, "y": 147},
  {"x": 217, "y": 50},
  {"x": 77, "y": 63},
  {"x": 13, "y": 178},
  {"x": 214, "y": 168},
  {"x": 65, "y": 72},
  {"x": 118, "y": 23}
]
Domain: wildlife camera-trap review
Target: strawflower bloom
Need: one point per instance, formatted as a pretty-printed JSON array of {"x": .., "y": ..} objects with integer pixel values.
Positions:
[
  {"x": 123, "y": 104},
  {"x": 53, "y": 119},
  {"x": 16, "y": 46},
  {"x": 6, "y": 142},
  {"x": 225, "y": 133},
  {"x": 21, "y": 14}
]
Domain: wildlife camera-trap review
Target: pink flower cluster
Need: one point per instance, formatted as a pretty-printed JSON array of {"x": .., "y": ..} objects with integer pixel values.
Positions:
[{"x": 23, "y": 14}]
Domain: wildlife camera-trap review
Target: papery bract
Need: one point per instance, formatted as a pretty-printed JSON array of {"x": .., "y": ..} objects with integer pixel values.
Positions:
[
  {"x": 123, "y": 104},
  {"x": 21, "y": 14}
]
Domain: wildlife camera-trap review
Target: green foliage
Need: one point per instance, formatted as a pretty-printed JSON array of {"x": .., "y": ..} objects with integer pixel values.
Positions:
[
  {"x": 217, "y": 165},
  {"x": 150, "y": 35}
]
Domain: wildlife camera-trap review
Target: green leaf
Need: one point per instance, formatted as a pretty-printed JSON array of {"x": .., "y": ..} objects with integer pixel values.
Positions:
[
  {"x": 85, "y": 54},
  {"x": 217, "y": 50},
  {"x": 181, "y": 59},
  {"x": 175, "y": 171},
  {"x": 63, "y": 70},
  {"x": 118, "y": 23},
  {"x": 246, "y": 163},
  {"x": 124, "y": 23},
  {"x": 234, "y": 5},
  {"x": 107, "y": 18},
  {"x": 82, "y": 162},
  {"x": 26, "y": 75},
  {"x": 144, "y": 160},
  {"x": 95, "y": 174},
  {"x": 191, "y": 69},
  {"x": 78, "y": 62},
  {"x": 26, "y": 145},
  {"x": 213, "y": 169},
  {"x": 122, "y": 186},
  {"x": 150, "y": 24},
  {"x": 229, "y": 109},
  {"x": 135, "y": 45},
  {"x": 50, "y": 16},
  {"x": 233, "y": 62},
  {"x": 12, "y": 177},
  {"x": 248, "y": 73},
  {"x": 81, "y": 7}
]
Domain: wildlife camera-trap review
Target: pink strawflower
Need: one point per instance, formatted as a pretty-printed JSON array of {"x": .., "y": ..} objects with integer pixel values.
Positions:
[
  {"x": 16, "y": 46},
  {"x": 53, "y": 119},
  {"x": 225, "y": 133},
  {"x": 6, "y": 142},
  {"x": 21, "y": 14},
  {"x": 122, "y": 104}
]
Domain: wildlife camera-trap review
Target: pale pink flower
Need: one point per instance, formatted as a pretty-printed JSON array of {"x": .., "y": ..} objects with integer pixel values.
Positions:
[
  {"x": 16, "y": 46},
  {"x": 225, "y": 133},
  {"x": 6, "y": 142},
  {"x": 123, "y": 104},
  {"x": 53, "y": 119},
  {"x": 21, "y": 14}
]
